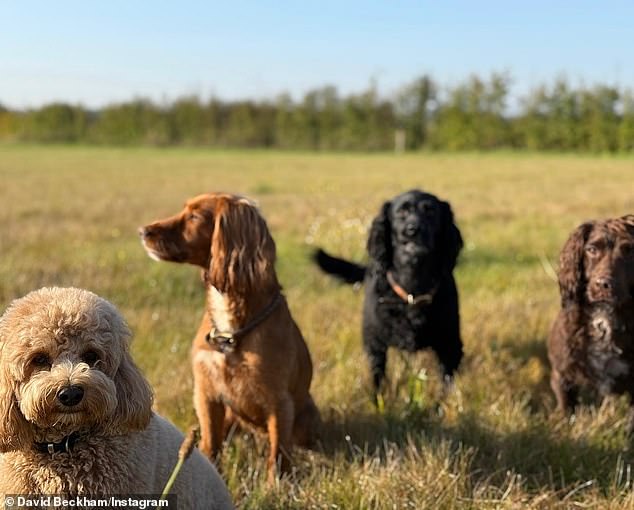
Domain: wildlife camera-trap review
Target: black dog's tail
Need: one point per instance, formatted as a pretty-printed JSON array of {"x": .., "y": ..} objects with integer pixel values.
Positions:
[{"x": 348, "y": 272}]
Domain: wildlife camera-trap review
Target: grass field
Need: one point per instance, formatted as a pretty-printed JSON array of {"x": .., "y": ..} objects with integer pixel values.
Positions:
[{"x": 69, "y": 217}]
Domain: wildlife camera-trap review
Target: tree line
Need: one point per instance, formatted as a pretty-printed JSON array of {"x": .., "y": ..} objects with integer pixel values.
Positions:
[{"x": 472, "y": 115}]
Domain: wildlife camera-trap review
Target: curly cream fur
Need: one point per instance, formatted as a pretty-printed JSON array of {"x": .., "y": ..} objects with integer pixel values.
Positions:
[{"x": 123, "y": 448}]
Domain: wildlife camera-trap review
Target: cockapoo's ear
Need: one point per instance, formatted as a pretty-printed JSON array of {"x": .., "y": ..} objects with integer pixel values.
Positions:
[
  {"x": 134, "y": 394},
  {"x": 15, "y": 431},
  {"x": 134, "y": 397},
  {"x": 380, "y": 238},
  {"x": 572, "y": 282}
]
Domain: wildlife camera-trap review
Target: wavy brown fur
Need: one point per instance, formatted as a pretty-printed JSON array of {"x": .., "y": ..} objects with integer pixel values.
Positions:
[
  {"x": 591, "y": 344},
  {"x": 264, "y": 381}
]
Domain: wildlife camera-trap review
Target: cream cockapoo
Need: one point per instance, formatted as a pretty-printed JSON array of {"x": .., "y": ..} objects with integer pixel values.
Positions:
[{"x": 75, "y": 411}]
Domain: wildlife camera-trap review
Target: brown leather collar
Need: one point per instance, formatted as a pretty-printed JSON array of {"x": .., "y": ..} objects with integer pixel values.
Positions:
[
  {"x": 410, "y": 299},
  {"x": 225, "y": 341}
]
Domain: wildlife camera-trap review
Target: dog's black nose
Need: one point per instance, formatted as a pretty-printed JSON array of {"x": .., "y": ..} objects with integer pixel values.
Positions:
[
  {"x": 70, "y": 396},
  {"x": 143, "y": 232}
]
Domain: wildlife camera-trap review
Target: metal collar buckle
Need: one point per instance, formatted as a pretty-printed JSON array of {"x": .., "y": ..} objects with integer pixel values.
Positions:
[
  {"x": 223, "y": 340},
  {"x": 411, "y": 299},
  {"x": 64, "y": 446},
  {"x": 226, "y": 341}
]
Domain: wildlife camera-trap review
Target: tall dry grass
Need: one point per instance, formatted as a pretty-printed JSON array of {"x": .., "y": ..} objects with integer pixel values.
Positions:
[{"x": 69, "y": 217}]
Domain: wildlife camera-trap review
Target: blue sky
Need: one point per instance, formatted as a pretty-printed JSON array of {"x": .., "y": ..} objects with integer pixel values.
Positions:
[{"x": 96, "y": 52}]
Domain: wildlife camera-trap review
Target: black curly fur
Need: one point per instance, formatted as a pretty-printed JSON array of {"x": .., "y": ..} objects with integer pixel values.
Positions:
[{"x": 414, "y": 237}]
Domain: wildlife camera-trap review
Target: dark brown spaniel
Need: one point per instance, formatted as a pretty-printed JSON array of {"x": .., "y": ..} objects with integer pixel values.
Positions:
[{"x": 591, "y": 344}]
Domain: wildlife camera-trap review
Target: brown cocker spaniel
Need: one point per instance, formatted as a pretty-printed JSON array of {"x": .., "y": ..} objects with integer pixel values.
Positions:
[
  {"x": 591, "y": 344},
  {"x": 250, "y": 360}
]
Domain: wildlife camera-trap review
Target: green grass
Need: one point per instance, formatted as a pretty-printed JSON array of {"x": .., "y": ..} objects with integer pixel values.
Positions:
[{"x": 69, "y": 217}]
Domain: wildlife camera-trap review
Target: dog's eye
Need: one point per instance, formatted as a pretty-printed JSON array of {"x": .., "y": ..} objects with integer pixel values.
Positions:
[
  {"x": 425, "y": 207},
  {"x": 194, "y": 217},
  {"x": 41, "y": 360},
  {"x": 592, "y": 250},
  {"x": 627, "y": 249},
  {"x": 90, "y": 357}
]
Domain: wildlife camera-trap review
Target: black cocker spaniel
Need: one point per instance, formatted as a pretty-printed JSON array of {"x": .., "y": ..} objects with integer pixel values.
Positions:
[{"x": 411, "y": 300}]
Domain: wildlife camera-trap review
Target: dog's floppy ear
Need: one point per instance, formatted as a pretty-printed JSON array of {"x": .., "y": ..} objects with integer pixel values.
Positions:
[
  {"x": 134, "y": 394},
  {"x": 450, "y": 240},
  {"x": 242, "y": 249},
  {"x": 571, "y": 278},
  {"x": 15, "y": 431},
  {"x": 380, "y": 238},
  {"x": 134, "y": 397}
]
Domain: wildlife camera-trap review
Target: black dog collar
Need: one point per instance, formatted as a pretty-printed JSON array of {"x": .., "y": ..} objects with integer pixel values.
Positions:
[
  {"x": 225, "y": 341},
  {"x": 64, "y": 446}
]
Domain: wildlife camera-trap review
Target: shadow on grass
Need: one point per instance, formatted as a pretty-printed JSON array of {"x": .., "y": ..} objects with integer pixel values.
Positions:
[{"x": 543, "y": 453}]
